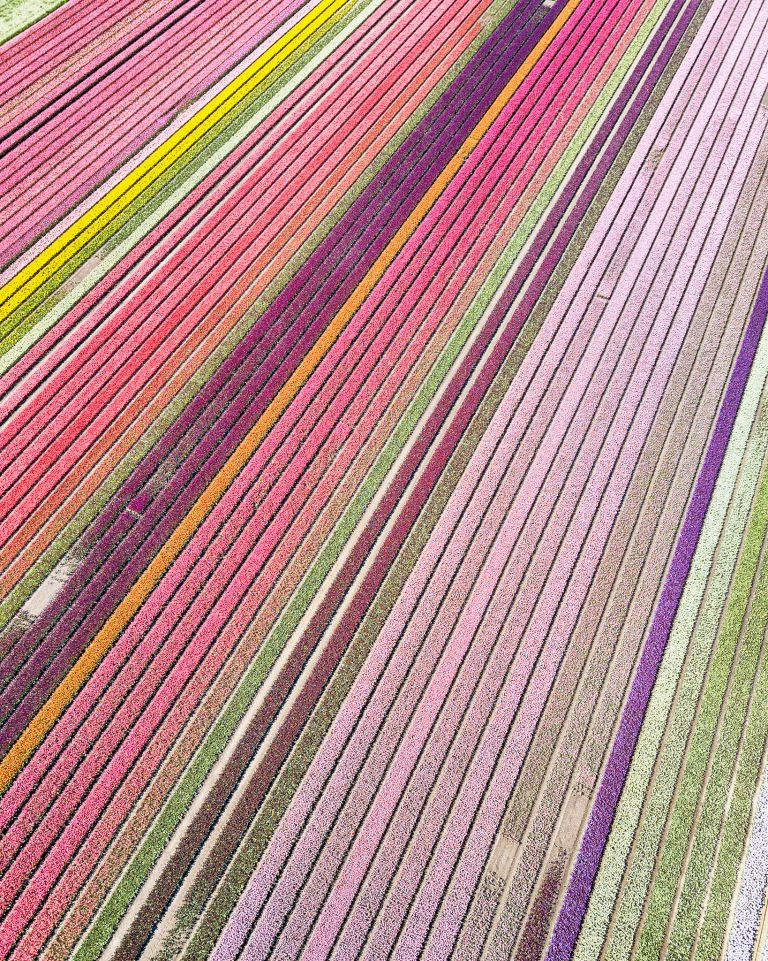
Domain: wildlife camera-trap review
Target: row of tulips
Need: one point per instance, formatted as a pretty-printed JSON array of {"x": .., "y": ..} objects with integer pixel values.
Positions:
[
  {"x": 642, "y": 814},
  {"x": 753, "y": 889}
]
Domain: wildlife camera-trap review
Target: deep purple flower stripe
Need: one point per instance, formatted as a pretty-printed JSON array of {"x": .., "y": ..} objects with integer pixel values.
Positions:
[
  {"x": 574, "y": 906},
  {"x": 107, "y": 567}
]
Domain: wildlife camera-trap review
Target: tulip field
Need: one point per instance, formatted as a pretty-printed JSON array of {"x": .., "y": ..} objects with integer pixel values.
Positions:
[{"x": 384, "y": 480}]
